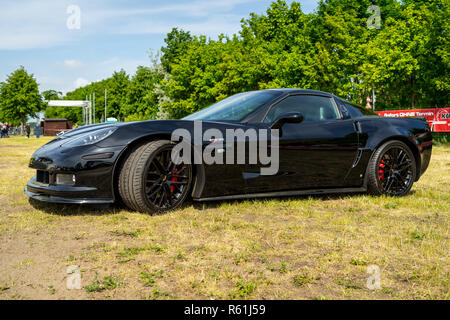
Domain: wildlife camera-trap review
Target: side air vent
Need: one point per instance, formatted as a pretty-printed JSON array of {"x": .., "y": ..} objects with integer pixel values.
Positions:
[{"x": 357, "y": 158}]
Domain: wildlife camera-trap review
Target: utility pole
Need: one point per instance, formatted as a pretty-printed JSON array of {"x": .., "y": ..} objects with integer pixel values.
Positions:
[
  {"x": 85, "y": 112},
  {"x": 374, "y": 99},
  {"x": 105, "y": 105},
  {"x": 94, "y": 107},
  {"x": 90, "y": 117},
  {"x": 90, "y": 109}
]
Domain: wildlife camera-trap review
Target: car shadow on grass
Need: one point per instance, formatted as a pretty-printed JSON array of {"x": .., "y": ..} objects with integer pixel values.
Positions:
[
  {"x": 110, "y": 209},
  {"x": 323, "y": 197},
  {"x": 75, "y": 209}
]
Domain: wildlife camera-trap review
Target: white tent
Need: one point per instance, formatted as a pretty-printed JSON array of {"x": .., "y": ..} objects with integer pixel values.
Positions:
[{"x": 86, "y": 105}]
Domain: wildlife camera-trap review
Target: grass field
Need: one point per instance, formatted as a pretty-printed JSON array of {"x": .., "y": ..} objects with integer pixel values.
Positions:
[{"x": 291, "y": 248}]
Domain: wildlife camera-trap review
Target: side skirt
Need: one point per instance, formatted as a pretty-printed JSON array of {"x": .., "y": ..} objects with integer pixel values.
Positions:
[{"x": 285, "y": 194}]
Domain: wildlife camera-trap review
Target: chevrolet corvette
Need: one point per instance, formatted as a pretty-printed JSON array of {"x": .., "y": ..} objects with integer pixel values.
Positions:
[{"x": 324, "y": 144}]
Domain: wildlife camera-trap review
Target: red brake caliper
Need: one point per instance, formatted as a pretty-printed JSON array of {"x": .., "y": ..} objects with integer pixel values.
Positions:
[
  {"x": 381, "y": 170},
  {"x": 174, "y": 179}
]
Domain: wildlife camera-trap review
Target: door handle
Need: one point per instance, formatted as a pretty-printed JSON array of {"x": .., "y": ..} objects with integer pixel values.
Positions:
[{"x": 357, "y": 126}]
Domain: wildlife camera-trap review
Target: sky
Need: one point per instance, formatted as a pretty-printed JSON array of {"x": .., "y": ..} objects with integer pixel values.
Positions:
[{"x": 70, "y": 43}]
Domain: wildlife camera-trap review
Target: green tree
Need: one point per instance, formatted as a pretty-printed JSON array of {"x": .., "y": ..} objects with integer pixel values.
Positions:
[
  {"x": 145, "y": 93},
  {"x": 408, "y": 60},
  {"x": 405, "y": 62},
  {"x": 19, "y": 97},
  {"x": 140, "y": 99},
  {"x": 117, "y": 94},
  {"x": 51, "y": 95},
  {"x": 177, "y": 41}
]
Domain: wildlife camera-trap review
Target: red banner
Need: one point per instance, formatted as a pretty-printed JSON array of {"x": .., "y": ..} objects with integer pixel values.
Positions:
[{"x": 439, "y": 119}]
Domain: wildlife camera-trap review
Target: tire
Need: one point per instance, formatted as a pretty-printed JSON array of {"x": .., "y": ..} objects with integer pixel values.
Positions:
[
  {"x": 150, "y": 182},
  {"x": 391, "y": 170}
]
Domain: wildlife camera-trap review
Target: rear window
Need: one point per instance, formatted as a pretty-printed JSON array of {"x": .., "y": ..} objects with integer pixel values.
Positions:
[
  {"x": 354, "y": 112},
  {"x": 357, "y": 111}
]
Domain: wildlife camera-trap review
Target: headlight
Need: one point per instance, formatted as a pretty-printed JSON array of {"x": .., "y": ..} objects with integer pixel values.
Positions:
[{"x": 89, "y": 138}]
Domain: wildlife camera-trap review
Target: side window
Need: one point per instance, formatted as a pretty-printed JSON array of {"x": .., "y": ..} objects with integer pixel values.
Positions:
[
  {"x": 313, "y": 108},
  {"x": 354, "y": 112}
]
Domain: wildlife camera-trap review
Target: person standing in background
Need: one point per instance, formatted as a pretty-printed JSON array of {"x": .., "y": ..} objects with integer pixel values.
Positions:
[
  {"x": 37, "y": 130},
  {"x": 6, "y": 133},
  {"x": 4, "y": 130},
  {"x": 28, "y": 130}
]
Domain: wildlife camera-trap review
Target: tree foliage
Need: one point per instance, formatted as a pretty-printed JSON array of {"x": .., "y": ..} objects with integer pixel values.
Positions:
[
  {"x": 19, "y": 97},
  {"x": 405, "y": 62}
]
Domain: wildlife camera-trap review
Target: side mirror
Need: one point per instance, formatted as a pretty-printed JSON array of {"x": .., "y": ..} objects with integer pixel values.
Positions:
[{"x": 290, "y": 117}]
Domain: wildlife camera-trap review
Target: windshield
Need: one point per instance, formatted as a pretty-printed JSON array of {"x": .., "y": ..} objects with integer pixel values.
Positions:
[{"x": 235, "y": 108}]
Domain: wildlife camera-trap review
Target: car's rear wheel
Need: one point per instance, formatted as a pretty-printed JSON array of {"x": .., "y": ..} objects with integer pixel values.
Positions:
[
  {"x": 149, "y": 181},
  {"x": 391, "y": 170}
]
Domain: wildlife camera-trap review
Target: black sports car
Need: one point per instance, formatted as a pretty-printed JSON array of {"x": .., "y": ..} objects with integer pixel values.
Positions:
[{"x": 325, "y": 145}]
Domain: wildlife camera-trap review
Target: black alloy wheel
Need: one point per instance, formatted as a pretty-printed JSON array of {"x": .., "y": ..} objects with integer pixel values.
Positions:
[
  {"x": 392, "y": 170},
  {"x": 165, "y": 181},
  {"x": 150, "y": 181}
]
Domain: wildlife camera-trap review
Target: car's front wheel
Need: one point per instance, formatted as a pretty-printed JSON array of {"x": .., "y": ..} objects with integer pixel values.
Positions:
[
  {"x": 149, "y": 181},
  {"x": 391, "y": 170}
]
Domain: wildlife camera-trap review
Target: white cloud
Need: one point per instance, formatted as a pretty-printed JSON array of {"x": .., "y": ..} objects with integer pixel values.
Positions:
[
  {"x": 210, "y": 26},
  {"x": 88, "y": 53},
  {"x": 199, "y": 17},
  {"x": 72, "y": 64},
  {"x": 110, "y": 61},
  {"x": 81, "y": 82},
  {"x": 32, "y": 25},
  {"x": 188, "y": 8},
  {"x": 43, "y": 24}
]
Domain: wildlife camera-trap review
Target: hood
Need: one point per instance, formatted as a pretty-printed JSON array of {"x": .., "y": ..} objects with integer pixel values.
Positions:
[
  {"x": 88, "y": 128},
  {"x": 82, "y": 130},
  {"x": 130, "y": 131}
]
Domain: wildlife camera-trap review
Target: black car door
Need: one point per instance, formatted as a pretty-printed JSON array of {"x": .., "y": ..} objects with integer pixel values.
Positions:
[{"x": 316, "y": 153}]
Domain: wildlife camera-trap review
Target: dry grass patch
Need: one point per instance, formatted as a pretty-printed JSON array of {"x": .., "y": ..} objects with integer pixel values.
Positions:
[{"x": 292, "y": 248}]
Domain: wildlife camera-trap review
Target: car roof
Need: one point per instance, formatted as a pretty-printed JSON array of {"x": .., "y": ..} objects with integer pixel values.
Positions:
[{"x": 302, "y": 91}]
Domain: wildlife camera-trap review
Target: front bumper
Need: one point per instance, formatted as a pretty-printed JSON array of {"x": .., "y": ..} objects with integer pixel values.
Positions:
[
  {"x": 94, "y": 176},
  {"x": 62, "y": 194}
]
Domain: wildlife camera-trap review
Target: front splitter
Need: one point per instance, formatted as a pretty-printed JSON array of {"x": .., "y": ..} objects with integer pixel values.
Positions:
[{"x": 62, "y": 200}]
